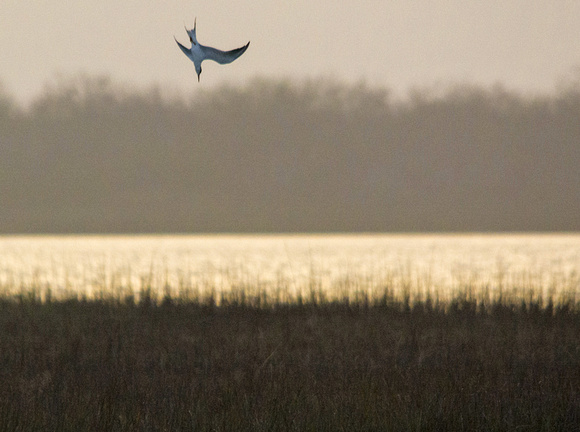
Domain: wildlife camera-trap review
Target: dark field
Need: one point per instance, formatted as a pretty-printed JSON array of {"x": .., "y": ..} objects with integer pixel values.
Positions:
[{"x": 314, "y": 365}]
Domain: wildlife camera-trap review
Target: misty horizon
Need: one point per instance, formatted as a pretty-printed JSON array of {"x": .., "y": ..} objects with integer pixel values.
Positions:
[
  {"x": 82, "y": 82},
  {"x": 92, "y": 155},
  {"x": 397, "y": 44}
]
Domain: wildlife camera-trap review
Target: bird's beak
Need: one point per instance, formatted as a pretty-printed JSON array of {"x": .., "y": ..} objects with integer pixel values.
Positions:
[{"x": 198, "y": 77}]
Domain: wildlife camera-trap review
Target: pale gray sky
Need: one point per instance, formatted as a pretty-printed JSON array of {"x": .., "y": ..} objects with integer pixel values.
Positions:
[{"x": 528, "y": 45}]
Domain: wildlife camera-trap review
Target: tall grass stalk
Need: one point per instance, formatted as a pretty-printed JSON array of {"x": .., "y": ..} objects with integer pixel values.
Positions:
[{"x": 252, "y": 359}]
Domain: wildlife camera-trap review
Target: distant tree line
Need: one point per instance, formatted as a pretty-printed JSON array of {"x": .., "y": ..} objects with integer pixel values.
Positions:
[{"x": 276, "y": 156}]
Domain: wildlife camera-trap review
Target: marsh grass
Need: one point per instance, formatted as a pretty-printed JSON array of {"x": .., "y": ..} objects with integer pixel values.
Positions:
[{"x": 248, "y": 360}]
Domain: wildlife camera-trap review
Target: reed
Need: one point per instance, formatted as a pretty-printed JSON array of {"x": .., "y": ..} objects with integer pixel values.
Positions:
[{"x": 248, "y": 360}]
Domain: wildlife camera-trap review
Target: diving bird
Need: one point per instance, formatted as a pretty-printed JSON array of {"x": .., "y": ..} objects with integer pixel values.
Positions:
[{"x": 198, "y": 52}]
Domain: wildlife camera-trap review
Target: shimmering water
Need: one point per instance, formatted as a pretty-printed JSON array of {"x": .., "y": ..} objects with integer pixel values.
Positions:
[{"x": 338, "y": 265}]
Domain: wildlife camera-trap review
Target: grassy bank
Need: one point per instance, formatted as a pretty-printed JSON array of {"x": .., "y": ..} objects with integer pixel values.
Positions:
[{"x": 387, "y": 364}]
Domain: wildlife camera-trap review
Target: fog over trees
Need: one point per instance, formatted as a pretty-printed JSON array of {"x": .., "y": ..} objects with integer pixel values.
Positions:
[{"x": 274, "y": 156}]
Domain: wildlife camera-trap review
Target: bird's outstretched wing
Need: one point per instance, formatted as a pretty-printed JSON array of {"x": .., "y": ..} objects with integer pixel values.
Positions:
[
  {"x": 223, "y": 57},
  {"x": 186, "y": 51}
]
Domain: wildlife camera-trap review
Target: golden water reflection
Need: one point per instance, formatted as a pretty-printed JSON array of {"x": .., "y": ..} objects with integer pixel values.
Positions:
[{"x": 288, "y": 265}]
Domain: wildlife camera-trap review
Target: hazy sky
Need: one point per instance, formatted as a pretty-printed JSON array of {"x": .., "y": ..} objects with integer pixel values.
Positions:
[{"x": 524, "y": 44}]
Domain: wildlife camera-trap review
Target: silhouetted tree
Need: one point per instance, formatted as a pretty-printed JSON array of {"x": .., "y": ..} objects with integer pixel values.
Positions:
[{"x": 90, "y": 155}]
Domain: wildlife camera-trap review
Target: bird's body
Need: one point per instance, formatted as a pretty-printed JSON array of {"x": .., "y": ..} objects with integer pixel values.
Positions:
[{"x": 198, "y": 52}]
